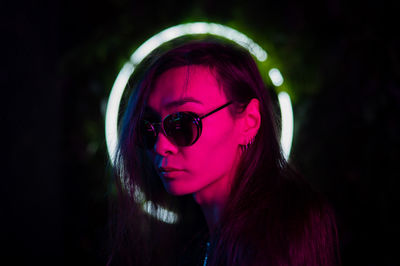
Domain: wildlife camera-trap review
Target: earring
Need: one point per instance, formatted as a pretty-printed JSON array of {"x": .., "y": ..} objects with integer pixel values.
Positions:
[{"x": 246, "y": 147}]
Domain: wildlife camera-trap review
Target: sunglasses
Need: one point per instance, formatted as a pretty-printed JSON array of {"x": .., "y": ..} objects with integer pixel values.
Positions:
[{"x": 181, "y": 128}]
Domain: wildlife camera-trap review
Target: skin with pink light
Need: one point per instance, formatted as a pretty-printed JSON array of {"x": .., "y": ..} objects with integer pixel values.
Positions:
[{"x": 205, "y": 169}]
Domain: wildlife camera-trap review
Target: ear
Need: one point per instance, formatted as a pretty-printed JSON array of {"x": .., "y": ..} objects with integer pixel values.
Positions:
[{"x": 251, "y": 121}]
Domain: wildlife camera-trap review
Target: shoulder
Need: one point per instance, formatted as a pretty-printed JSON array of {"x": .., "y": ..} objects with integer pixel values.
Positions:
[{"x": 294, "y": 225}]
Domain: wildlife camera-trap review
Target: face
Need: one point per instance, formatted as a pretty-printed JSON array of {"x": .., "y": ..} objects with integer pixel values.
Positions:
[{"x": 208, "y": 165}]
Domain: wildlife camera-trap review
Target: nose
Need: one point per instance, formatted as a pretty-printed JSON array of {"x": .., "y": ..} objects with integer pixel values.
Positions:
[{"x": 164, "y": 146}]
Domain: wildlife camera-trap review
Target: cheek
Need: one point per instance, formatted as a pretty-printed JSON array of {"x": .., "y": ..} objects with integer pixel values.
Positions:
[{"x": 214, "y": 153}]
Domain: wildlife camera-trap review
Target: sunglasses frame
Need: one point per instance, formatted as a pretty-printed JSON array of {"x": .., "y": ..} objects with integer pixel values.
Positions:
[{"x": 156, "y": 126}]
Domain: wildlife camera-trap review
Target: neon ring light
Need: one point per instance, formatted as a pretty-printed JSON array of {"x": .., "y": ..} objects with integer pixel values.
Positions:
[{"x": 112, "y": 110}]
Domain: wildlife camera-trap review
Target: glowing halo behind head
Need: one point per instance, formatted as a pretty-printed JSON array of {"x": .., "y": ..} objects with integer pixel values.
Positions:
[{"x": 117, "y": 90}]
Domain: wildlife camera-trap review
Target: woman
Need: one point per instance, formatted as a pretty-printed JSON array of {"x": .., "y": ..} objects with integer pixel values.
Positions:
[{"x": 199, "y": 137}]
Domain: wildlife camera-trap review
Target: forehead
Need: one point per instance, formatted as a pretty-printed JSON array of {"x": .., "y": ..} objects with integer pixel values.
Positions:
[{"x": 195, "y": 82}]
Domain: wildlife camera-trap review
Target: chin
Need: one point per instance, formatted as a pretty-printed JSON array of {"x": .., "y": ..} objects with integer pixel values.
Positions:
[{"x": 178, "y": 190}]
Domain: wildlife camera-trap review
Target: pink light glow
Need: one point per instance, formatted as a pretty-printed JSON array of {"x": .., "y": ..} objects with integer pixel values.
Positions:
[{"x": 205, "y": 168}]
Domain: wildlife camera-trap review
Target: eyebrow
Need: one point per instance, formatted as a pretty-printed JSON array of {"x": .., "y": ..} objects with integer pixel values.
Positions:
[{"x": 181, "y": 102}]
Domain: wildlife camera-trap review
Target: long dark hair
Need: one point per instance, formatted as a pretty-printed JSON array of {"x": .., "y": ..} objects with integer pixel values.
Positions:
[{"x": 273, "y": 216}]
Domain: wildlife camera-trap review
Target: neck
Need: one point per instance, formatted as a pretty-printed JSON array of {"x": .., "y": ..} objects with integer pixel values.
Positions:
[
  {"x": 212, "y": 201},
  {"x": 212, "y": 213},
  {"x": 213, "y": 198}
]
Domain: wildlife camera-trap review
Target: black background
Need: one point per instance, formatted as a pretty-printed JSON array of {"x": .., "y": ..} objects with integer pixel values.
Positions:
[{"x": 59, "y": 61}]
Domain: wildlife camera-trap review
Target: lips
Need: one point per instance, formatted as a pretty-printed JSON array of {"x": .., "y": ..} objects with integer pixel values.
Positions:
[
  {"x": 170, "y": 173},
  {"x": 168, "y": 169}
]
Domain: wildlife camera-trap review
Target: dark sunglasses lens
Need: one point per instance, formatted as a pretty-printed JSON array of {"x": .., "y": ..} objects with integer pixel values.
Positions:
[
  {"x": 148, "y": 134},
  {"x": 181, "y": 128}
]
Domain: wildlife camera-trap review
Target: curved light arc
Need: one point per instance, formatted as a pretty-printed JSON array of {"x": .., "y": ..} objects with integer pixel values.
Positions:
[
  {"x": 287, "y": 123},
  {"x": 117, "y": 90}
]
